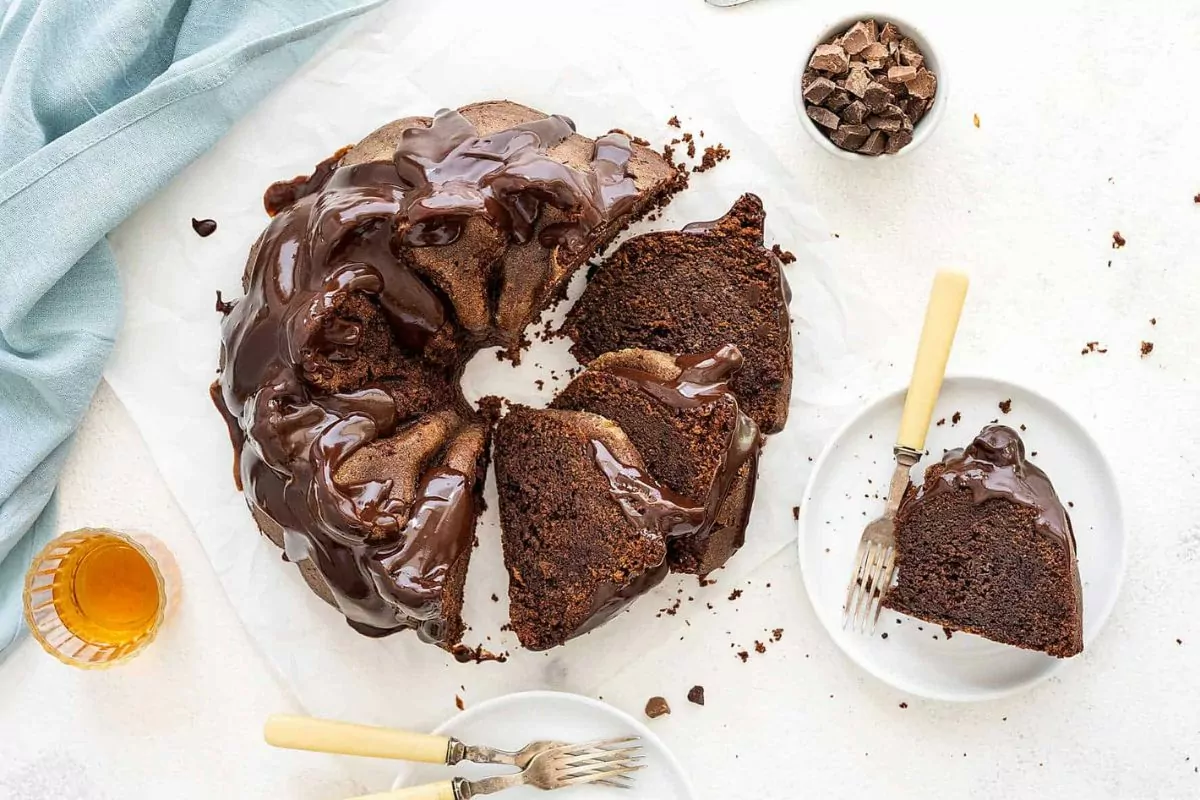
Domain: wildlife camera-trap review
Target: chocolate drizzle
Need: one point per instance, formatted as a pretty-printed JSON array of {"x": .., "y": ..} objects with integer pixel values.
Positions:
[
  {"x": 994, "y": 466},
  {"x": 336, "y": 234}
]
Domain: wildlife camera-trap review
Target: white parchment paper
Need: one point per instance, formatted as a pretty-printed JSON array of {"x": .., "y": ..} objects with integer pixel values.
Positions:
[{"x": 168, "y": 351}]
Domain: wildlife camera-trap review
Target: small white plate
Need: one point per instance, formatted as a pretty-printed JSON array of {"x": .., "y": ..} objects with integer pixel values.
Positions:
[
  {"x": 514, "y": 720},
  {"x": 847, "y": 489}
]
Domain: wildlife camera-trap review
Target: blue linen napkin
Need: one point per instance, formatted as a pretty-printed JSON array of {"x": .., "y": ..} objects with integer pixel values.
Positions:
[{"x": 101, "y": 102}]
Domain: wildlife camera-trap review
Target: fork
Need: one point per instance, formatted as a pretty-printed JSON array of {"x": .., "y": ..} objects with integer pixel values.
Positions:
[
  {"x": 610, "y": 761},
  {"x": 345, "y": 738},
  {"x": 876, "y": 560}
]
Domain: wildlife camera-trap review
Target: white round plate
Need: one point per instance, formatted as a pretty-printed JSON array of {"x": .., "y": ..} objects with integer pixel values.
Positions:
[
  {"x": 847, "y": 489},
  {"x": 514, "y": 720}
]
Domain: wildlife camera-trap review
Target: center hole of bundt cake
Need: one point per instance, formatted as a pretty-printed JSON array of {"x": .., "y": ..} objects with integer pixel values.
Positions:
[{"x": 545, "y": 367}]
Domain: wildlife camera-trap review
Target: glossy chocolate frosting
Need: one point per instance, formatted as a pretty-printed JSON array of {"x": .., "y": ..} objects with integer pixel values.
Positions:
[
  {"x": 342, "y": 231},
  {"x": 994, "y": 466}
]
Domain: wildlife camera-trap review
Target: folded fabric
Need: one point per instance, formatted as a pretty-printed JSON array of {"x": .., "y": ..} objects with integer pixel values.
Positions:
[{"x": 100, "y": 104}]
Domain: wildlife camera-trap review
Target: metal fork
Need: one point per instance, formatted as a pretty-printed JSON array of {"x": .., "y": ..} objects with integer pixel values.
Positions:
[
  {"x": 876, "y": 561},
  {"x": 611, "y": 761}
]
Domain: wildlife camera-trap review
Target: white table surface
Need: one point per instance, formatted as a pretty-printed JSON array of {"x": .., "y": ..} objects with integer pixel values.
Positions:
[{"x": 1087, "y": 126}]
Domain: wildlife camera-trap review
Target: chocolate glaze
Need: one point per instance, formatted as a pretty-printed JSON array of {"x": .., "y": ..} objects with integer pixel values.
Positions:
[
  {"x": 338, "y": 232},
  {"x": 654, "y": 509},
  {"x": 994, "y": 466}
]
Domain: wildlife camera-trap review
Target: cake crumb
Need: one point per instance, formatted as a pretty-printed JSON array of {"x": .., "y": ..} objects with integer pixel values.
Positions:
[
  {"x": 1118, "y": 240},
  {"x": 1196, "y": 199},
  {"x": 777, "y": 634},
  {"x": 458, "y": 702},
  {"x": 1023, "y": 428},
  {"x": 1093, "y": 347},
  {"x": 785, "y": 256},
  {"x": 1154, "y": 320},
  {"x": 674, "y": 122},
  {"x": 495, "y": 598},
  {"x": 1147, "y": 348},
  {"x": 656, "y": 707},
  {"x": 759, "y": 647},
  {"x": 744, "y": 656},
  {"x": 1070, "y": 504},
  {"x": 696, "y": 695},
  {"x": 735, "y": 594},
  {"x": 941, "y": 422},
  {"x": 713, "y": 155},
  {"x": 956, "y": 418},
  {"x": 905, "y": 705},
  {"x": 883, "y": 635},
  {"x": 796, "y": 512},
  {"x": 1006, "y": 405},
  {"x": 975, "y": 119}
]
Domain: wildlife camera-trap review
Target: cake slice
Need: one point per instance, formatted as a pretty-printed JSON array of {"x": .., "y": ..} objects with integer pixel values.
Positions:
[
  {"x": 577, "y": 519},
  {"x": 985, "y": 546},
  {"x": 694, "y": 291},
  {"x": 688, "y": 428}
]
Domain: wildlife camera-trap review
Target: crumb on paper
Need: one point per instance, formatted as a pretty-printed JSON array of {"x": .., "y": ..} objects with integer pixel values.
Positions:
[
  {"x": 458, "y": 702},
  {"x": 1118, "y": 240},
  {"x": 674, "y": 122},
  {"x": 796, "y": 512},
  {"x": 1093, "y": 347},
  {"x": 1147, "y": 348},
  {"x": 975, "y": 119},
  {"x": 696, "y": 695},
  {"x": 777, "y": 634},
  {"x": 713, "y": 155},
  {"x": 941, "y": 422},
  {"x": 905, "y": 705},
  {"x": 657, "y": 707},
  {"x": 785, "y": 256},
  {"x": 1006, "y": 405},
  {"x": 1154, "y": 320},
  {"x": 759, "y": 647},
  {"x": 735, "y": 594},
  {"x": 956, "y": 418},
  {"x": 743, "y": 655}
]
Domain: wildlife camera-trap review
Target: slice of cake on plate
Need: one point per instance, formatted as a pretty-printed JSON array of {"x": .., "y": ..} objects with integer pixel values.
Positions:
[{"x": 985, "y": 546}]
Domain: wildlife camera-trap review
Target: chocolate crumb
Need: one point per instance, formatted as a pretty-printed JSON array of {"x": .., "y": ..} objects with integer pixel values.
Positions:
[
  {"x": 777, "y": 634},
  {"x": 735, "y": 594},
  {"x": 1070, "y": 504},
  {"x": 1006, "y": 405},
  {"x": 674, "y": 122},
  {"x": 1023, "y": 428},
  {"x": 744, "y": 656},
  {"x": 223, "y": 307},
  {"x": 1154, "y": 320},
  {"x": 883, "y": 635},
  {"x": 458, "y": 702},
  {"x": 204, "y": 227},
  {"x": 941, "y": 422},
  {"x": 1179, "y": 641},
  {"x": 495, "y": 598},
  {"x": 712, "y": 156},
  {"x": 696, "y": 695},
  {"x": 956, "y": 418},
  {"x": 1147, "y": 348},
  {"x": 759, "y": 647},
  {"x": 1118, "y": 240},
  {"x": 1196, "y": 199},
  {"x": 1094, "y": 347},
  {"x": 784, "y": 256},
  {"x": 904, "y": 705},
  {"x": 657, "y": 707},
  {"x": 796, "y": 512}
]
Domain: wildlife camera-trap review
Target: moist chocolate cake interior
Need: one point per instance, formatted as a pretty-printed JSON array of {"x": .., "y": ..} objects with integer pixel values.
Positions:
[{"x": 985, "y": 546}]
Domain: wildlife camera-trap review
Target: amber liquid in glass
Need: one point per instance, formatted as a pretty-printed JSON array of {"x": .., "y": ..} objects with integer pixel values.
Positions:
[{"x": 107, "y": 592}]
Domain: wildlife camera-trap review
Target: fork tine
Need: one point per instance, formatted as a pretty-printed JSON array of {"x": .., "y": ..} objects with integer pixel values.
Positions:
[
  {"x": 601, "y": 744},
  {"x": 602, "y": 756},
  {"x": 884, "y": 584},
  {"x": 864, "y": 593},
  {"x": 855, "y": 583},
  {"x": 596, "y": 776}
]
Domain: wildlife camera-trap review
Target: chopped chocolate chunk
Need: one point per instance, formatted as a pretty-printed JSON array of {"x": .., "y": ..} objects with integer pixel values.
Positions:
[
  {"x": 901, "y": 74},
  {"x": 889, "y": 33},
  {"x": 696, "y": 695},
  {"x": 875, "y": 144},
  {"x": 1118, "y": 240},
  {"x": 657, "y": 707},
  {"x": 878, "y": 123},
  {"x": 838, "y": 99},
  {"x": 1006, "y": 405},
  {"x": 923, "y": 85},
  {"x": 915, "y": 108},
  {"x": 876, "y": 97},
  {"x": 204, "y": 227},
  {"x": 818, "y": 90},
  {"x": 850, "y": 137},
  {"x": 857, "y": 38},
  {"x": 910, "y": 54},
  {"x": 897, "y": 141},
  {"x": 858, "y": 80},
  {"x": 823, "y": 117},
  {"x": 830, "y": 58},
  {"x": 1147, "y": 348},
  {"x": 855, "y": 113}
]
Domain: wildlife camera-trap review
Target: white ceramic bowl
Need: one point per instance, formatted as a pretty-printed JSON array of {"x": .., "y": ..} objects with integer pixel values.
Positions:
[{"x": 933, "y": 60}]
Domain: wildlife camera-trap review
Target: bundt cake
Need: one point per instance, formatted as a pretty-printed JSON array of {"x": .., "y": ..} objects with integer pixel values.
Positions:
[
  {"x": 985, "y": 546},
  {"x": 642, "y": 465},
  {"x": 377, "y": 279},
  {"x": 692, "y": 291}
]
